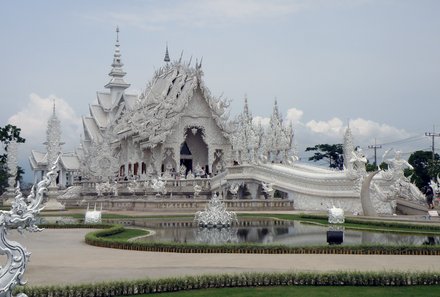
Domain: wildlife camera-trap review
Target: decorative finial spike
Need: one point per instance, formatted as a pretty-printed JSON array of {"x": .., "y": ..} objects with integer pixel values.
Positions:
[
  {"x": 167, "y": 55},
  {"x": 117, "y": 34},
  {"x": 53, "y": 107}
]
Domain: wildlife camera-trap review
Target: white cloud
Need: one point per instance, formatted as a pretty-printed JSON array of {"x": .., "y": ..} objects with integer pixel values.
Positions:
[
  {"x": 294, "y": 115},
  {"x": 363, "y": 130},
  {"x": 333, "y": 127},
  {"x": 33, "y": 119},
  {"x": 367, "y": 131}
]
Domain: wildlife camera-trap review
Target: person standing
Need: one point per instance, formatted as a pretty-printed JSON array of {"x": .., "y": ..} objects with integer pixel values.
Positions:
[{"x": 429, "y": 193}]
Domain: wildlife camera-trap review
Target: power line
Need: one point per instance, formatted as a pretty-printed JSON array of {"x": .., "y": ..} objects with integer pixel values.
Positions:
[
  {"x": 433, "y": 135},
  {"x": 405, "y": 140},
  {"x": 375, "y": 147}
]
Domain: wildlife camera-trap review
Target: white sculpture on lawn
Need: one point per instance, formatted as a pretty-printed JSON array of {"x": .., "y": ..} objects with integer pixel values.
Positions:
[
  {"x": 336, "y": 215},
  {"x": 215, "y": 214},
  {"x": 93, "y": 216}
]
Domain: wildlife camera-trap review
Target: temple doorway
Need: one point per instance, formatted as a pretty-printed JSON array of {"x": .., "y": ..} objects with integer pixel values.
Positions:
[
  {"x": 194, "y": 151},
  {"x": 186, "y": 157}
]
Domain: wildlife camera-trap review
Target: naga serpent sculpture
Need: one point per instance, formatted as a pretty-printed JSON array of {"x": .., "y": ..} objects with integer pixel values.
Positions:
[{"x": 20, "y": 217}]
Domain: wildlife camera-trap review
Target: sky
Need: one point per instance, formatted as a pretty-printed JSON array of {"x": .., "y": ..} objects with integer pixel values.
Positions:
[{"x": 373, "y": 64}]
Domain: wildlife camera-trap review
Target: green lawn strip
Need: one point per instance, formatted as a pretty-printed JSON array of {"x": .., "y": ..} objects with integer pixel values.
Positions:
[
  {"x": 276, "y": 284},
  {"x": 309, "y": 291},
  {"x": 128, "y": 233}
]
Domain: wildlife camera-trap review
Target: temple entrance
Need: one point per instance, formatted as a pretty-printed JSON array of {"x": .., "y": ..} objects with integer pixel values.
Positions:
[
  {"x": 194, "y": 152},
  {"x": 187, "y": 163},
  {"x": 186, "y": 157}
]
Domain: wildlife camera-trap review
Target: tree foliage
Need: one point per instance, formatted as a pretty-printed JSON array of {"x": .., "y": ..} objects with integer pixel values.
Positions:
[
  {"x": 7, "y": 134},
  {"x": 424, "y": 167},
  {"x": 373, "y": 167},
  {"x": 331, "y": 152}
]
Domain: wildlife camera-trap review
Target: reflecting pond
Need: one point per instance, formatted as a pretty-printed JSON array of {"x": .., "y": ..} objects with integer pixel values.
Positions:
[{"x": 291, "y": 233}]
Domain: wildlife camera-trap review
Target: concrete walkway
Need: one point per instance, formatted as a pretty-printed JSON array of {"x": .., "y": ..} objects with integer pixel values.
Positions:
[{"x": 62, "y": 257}]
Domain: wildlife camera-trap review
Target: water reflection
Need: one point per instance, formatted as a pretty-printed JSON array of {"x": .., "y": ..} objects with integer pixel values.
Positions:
[
  {"x": 293, "y": 233},
  {"x": 216, "y": 235}
]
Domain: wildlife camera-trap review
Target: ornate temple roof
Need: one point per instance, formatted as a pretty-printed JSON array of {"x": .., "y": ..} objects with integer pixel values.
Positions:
[
  {"x": 163, "y": 102},
  {"x": 110, "y": 104},
  {"x": 69, "y": 161}
]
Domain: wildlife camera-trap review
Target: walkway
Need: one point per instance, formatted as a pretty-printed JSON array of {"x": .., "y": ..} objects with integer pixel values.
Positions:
[{"x": 62, "y": 257}]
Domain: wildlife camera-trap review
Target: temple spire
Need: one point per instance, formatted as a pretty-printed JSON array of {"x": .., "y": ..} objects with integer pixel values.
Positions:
[
  {"x": 167, "y": 55},
  {"x": 246, "y": 107},
  {"x": 117, "y": 73}
]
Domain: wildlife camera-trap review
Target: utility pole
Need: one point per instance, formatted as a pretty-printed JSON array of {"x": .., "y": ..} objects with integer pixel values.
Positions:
[
  {"x": 432, "y": 135},
  {"x": 375, "y": 147}
]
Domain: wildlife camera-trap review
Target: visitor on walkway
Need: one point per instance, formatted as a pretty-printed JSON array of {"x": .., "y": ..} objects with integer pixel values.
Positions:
[{"x": 429, "y": 193}]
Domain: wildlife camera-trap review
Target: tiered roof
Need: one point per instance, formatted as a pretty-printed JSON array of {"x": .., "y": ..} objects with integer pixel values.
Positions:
[
  {"x": 110, "y": 104},
  {"x": 163, "y": 102}
]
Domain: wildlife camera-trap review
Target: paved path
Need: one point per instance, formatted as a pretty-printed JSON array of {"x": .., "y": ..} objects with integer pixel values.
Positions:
[{"x": 61, "y": 257}]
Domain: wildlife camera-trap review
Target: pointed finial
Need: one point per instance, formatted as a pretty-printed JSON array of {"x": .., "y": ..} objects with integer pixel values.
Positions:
[
  {"x": 117, "y": 34},
  {"x": 167, "y": 55},
  {"x": 53, "y": 108},
  {"x": 246, "y": 108}
]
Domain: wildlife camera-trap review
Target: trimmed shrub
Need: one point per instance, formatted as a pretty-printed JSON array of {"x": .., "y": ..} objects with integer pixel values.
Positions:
[{"x": 126, "y": 288}]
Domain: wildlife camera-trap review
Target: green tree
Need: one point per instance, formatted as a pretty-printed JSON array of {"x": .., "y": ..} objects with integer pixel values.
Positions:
[
  {"x": 332, "y": 152},
  {"x": 7, "y": 134},
  {"x": 424, "y": 168},
  {"x": 372, "y": 167}
]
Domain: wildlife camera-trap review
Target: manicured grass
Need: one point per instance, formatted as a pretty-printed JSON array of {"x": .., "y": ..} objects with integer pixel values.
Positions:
[
  {"x": 128, "y": 233},
  {"x": 309, "y": 291}
]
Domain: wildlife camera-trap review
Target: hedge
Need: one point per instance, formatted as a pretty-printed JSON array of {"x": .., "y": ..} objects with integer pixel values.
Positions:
[{"x": 146, "y": 286}]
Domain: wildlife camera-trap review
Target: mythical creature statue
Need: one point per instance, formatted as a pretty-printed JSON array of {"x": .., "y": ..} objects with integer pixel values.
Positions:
[
  {"x": 397, "y": 164},
  {"x": 20, "y": 217},
  {"x": 233, "y": 189},
  {"x": 158, "y": 186},
  {"x": 197, "y": 190},
  {"x": 401, "y": 185},
  {"x": 267, "y": 189}
]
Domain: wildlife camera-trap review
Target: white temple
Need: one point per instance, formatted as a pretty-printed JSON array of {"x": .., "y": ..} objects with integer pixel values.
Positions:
[
  {"x": 176, "y": 131},
  {"x": 68, "y": 165}
]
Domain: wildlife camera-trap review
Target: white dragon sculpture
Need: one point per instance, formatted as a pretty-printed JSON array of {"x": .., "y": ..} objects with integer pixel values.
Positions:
[{"x": 20, "y": 217}]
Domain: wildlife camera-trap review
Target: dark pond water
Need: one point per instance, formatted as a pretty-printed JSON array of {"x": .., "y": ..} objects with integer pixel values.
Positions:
[{"x": 276, "y": 232}]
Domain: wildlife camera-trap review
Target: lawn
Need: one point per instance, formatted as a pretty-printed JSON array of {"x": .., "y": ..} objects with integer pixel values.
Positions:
[{"x": 295, "y": 291}]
